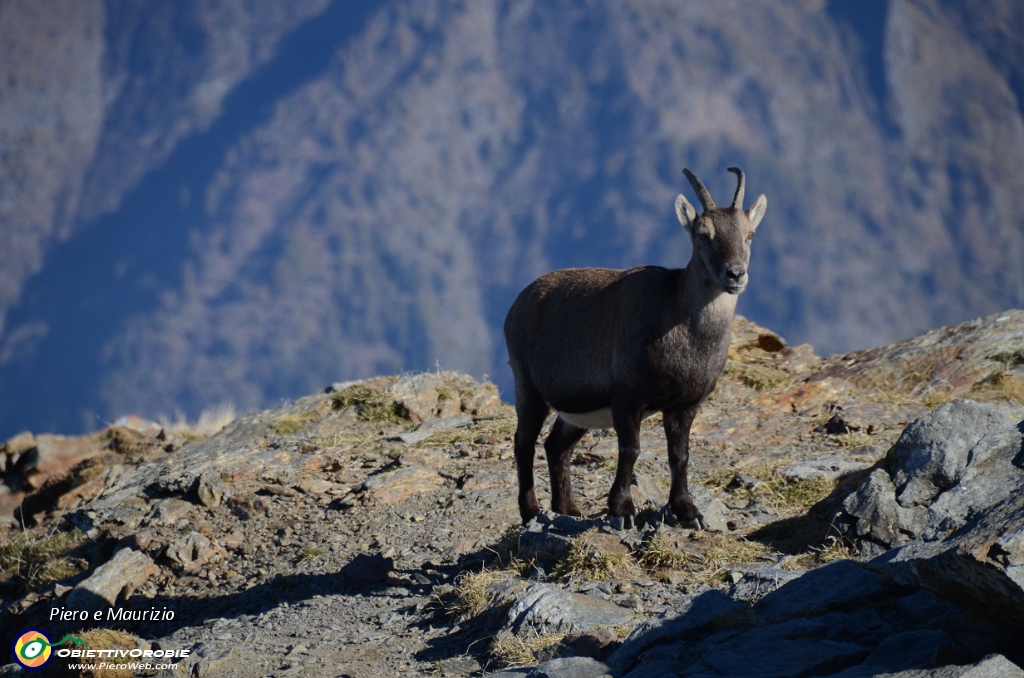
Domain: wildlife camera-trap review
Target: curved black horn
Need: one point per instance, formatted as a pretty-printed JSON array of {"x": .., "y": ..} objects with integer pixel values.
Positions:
[
  {"x": 702, "y": 193},
  {"x": 737, "y": 201}
]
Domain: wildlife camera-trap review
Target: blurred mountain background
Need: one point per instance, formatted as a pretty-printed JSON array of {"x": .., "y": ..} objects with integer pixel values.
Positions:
[{"x": 225, "y": 200}]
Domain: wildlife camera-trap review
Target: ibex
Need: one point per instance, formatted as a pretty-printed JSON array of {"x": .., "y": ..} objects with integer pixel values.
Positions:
[{"x": 611, "y": 348}]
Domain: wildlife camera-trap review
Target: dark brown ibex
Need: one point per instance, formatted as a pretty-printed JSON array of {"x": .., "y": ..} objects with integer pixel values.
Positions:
[{"x": 611, "y": 348}]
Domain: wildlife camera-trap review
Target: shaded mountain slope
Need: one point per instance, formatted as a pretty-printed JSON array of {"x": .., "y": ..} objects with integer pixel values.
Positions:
[{"x": 386, "y": 210}]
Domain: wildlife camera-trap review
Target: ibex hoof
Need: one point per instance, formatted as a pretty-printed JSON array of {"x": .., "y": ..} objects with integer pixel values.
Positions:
[
  {"x": 668, "y": 517},
  {"x": 621, "y": 522},
  {"x": 693, "y": 524}
]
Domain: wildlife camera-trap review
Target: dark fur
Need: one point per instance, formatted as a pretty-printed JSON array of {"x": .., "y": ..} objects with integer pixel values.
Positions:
[{"x": 647, "y": 339}]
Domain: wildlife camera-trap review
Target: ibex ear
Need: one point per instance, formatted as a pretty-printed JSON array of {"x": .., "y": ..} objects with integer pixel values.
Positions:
[
  {"x": 756, "y": 212},
  {"x": 685, "y": 213}
]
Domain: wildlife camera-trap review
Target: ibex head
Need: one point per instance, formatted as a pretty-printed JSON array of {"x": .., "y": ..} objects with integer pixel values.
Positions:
[{"x": 721, "y": 236}]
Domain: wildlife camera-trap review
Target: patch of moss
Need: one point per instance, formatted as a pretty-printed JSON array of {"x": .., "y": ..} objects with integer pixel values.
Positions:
[
  {"x": 108, "y": 667},
  {"x": 285, "y": 427}
]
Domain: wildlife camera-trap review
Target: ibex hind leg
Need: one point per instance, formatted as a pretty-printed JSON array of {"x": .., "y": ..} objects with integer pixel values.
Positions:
[
  {"x": 531, "y": 411},
  {"x": 559, "y": 447}
]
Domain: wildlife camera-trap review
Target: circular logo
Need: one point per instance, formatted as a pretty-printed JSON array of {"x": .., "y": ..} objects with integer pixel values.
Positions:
[{"x": 32, "y": 649}]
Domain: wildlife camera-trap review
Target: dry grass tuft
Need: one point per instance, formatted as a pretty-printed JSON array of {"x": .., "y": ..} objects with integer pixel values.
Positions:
[
  {"x": 507, "y": 550},
  {"x": 38, "y": 560},
  {"x": 852, "y": 439},
  {"x": 999, "y": 387},
  {"x": 657, "y": 554},
  {"x": 472, "y": 592},
  {"x": 833, "y": 548},
  {"x": 512, "y": 650},
  {"x": 705, "y": 559},
  {"x": 211, "y": 420},
  {"x": 786, "y": 497},
  {"x": 586, "y": 561}
]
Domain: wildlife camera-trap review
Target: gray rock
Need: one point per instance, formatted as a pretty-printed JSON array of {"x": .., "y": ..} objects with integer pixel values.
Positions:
[
  {"x": 976, "y": 559},
  {"x": 993, "y": 474},
  {"x": 544, "y": 609},
  {"x": 695, "y": 613},
  {"x": 170, "y": 511},
  {"x": 647, "y": 493},
  {"x": 115, "y": 580},
  {"x": 432, "y": 426},
  {"x": 194, "y": 550},
  {"x": 564, "y": 667},
  {"x": 656, "y": 669},
  {"x": 831, "y": 467},
  {"x": 873, "y": 514},
  {"x": 210, "y": 489},
  {"x": 993, "y": 666},
  {"x": 367, "y": 570},
  {"x": 713, "y": 510},
  {"x": 909, "y": 650},
  {"x": 924, "y": 609},
  {"x": 837, "y": 583},
  {"x": 459, "y": 667},
  {"x": 570, "y": 667},
  {"x": 755, "y": 585},
  {"x": 798, "y": 647},
  {"x": 932, "y": 451},
  {"x": 546, "y": 537}
]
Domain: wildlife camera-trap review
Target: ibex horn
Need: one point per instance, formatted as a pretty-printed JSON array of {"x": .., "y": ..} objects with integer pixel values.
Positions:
[
  {"x": 702, "y": 193},
  {"x": 737, "y": 201}
]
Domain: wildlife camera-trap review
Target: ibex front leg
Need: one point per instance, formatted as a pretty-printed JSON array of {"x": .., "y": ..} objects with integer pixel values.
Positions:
[
  {"x": 677, "y": 431},
  {"x": 620, "y": 501}
]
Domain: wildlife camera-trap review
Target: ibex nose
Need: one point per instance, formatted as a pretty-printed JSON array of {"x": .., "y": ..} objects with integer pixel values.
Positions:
[{"x": 735, "y": 272}]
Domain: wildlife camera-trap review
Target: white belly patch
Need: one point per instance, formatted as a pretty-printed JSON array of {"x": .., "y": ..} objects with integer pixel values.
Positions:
[{"x": 601, "y": 418}]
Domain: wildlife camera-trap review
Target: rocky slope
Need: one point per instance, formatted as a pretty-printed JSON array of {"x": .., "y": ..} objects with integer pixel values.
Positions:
[
  {"x": 372, "y": 530},
  {"x": 273, "y": 216}
]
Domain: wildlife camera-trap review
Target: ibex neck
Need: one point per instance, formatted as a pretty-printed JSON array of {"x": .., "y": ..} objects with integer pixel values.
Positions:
[{"x": 705, "y": 302}]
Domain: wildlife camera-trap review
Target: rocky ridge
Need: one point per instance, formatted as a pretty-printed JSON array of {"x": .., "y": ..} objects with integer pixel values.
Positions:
[{"x": 372, "y": 529}]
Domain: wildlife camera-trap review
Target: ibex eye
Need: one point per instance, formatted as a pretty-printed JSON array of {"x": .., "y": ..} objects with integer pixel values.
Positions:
[{"x": 750, "y": 236}]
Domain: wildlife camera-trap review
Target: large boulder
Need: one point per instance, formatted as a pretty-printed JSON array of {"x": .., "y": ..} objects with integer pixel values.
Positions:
[
  {"x": 972, "y": 551},
  {"x": 932, "y": 451},
  {"x": 924, "y": 482}
]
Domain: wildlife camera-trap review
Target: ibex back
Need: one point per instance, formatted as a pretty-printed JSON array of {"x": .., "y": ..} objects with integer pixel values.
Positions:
[{"x": 608, "y": 348}]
